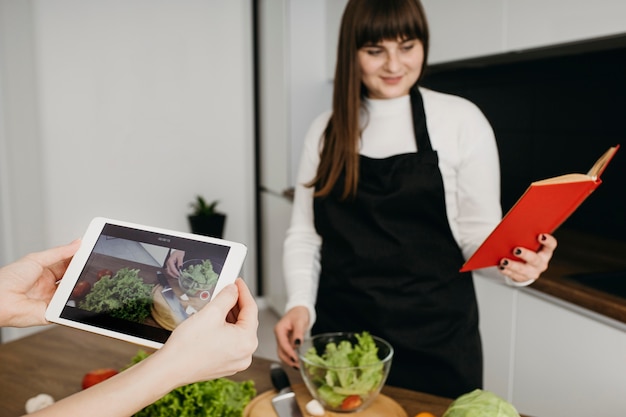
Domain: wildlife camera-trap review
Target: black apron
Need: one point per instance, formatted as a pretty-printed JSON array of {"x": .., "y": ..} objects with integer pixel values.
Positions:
[{"x": 390, "y": 266}]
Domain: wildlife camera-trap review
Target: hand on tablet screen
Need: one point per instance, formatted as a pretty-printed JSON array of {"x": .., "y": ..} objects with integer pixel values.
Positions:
[
  {"x": 175, "y": 262},
  {"x": 27, "y": 285}
]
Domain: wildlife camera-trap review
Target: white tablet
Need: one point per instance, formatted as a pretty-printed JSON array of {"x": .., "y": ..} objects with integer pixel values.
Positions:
[{"x": 137, "y": 283}]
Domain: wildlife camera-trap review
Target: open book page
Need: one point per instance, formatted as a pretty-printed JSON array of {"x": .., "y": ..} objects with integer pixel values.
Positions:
[
  {"x": 598, "y": 168},
  {"x": 594, "y": 173}
]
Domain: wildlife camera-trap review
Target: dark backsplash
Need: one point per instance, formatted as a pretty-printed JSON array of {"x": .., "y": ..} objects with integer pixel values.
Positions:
[{"x": 554, "y": 116}]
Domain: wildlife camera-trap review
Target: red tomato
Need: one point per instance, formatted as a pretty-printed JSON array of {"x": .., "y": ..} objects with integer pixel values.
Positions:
[
  {"x": 351, "y": 402},
  {"x": 104, "y": 273},
  {"x": 80, "y": 290},
  {"x": 97, "y": 375}
]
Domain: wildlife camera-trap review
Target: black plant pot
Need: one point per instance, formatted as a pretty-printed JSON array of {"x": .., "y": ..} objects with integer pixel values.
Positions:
[{"x": 208, "y": 225}]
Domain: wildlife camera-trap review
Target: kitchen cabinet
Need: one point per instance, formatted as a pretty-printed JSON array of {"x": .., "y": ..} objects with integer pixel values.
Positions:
[
  {"x": 566, "y": 363},
  {"x": 464, "y": 30},
  {"x": 294, "y": 89},
  {"x": 334, "y": 12},
  {"x": 461, "y": 29},
  {"x": 293, "y": 83},
  {"x": 549, "y": 357},
  {"x": 274, "y": 94},
  {"x": 496, "y": 304},
  {"x": 538, "y": 23},
  {"x": 274, "y": 223}
]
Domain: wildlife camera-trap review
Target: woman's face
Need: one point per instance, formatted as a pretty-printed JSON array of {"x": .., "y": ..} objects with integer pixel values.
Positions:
[{"x": 390, "y": 68}]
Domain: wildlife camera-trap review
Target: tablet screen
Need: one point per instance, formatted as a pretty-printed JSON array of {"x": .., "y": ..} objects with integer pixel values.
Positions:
[{"x": 125, "y": 285}]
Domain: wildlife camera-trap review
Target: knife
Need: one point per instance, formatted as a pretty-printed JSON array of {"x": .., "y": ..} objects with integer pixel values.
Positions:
[
  {"x": 284, "y": 402},
  {"x": 171, "y": 298}
]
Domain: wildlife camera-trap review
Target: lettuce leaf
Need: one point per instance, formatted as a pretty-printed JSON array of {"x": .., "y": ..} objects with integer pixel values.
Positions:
[
  {"x": 200, "y": 276},
  {"x": 124, "y": 296},
  {"x": 346, "y": 375},
  {"x": 216, "y": 398},
  {"x": 479, "y": 403}
]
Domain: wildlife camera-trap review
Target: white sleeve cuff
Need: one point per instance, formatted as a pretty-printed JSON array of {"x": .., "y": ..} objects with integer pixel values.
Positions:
[
  {"x": 311, "y": 309},
  {"x": 512, "y": 283}
]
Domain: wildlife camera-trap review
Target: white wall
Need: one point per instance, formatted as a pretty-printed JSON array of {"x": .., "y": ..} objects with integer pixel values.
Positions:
[
  {"x": 124, "y": 109},
  {"x": 20, "y": 150}
]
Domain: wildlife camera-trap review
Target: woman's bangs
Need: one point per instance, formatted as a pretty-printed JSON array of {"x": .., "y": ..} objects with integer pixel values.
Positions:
[{"x": 389, "y": 23}]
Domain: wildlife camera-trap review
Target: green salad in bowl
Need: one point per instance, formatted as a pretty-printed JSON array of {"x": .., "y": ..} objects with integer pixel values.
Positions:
[
  {"x": 345, "y": 371},
  {"x": 198, "y": 278}
]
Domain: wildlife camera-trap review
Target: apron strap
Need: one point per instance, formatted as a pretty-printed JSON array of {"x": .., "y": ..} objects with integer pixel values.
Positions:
[{"x": 422, "y": 138}]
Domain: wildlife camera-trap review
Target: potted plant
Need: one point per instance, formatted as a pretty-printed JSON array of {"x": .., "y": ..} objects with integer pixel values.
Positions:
[{"x": 205, "y": 219}]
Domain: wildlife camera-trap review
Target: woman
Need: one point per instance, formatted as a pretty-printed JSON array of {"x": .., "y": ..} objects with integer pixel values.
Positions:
[
  {"x": 224, "y": 331},
  {"x": 397, "y": 186}
]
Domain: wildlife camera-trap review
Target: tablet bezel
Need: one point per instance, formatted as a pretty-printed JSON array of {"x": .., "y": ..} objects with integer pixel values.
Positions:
[{"x": 138, "y": 333}]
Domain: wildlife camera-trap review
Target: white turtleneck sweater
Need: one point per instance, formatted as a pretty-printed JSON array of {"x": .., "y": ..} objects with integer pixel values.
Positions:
[{"x": 469, "y": 164}]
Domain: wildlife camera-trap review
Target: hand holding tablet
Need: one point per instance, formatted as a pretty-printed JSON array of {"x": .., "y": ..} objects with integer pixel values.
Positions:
[{"x": 121, "y": 283}]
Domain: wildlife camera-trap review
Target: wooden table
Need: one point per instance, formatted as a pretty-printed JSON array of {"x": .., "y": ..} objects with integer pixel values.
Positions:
[{"x": 55, "y": 360}]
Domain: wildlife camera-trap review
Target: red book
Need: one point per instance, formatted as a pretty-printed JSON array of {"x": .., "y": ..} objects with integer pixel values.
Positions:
[{"x": 543, "y": 207}]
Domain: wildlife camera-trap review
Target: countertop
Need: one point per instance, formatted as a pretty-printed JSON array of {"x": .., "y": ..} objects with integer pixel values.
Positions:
[
  {"x": 54, "y": 362},
  {"x": 580, "y": 253}
]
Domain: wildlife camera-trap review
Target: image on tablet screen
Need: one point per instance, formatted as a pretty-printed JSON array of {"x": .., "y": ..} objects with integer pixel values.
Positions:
[{"x": 144, "y": 283}]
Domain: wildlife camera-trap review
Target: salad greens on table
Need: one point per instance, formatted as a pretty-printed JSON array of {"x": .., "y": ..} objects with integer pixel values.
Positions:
[
  {"x": 215, "y": 398},
  {"x": 346, "y": 369}
]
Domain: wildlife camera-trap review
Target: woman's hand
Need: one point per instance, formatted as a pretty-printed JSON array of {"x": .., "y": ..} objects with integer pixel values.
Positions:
[
  {"x": 532, "y": 264},
  {"x": 27, "y": 285},
  {"x": 289, "y": 332},
  {"x": 174, "y": 263},
  {"x": 217, "y": 341}
]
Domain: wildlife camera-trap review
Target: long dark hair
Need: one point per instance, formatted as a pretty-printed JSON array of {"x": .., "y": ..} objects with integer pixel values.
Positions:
[{"x": 363, "y": 22}]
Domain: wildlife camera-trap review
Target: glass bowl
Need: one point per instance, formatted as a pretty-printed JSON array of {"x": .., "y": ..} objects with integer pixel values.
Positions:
[
  {"x": 345, "y": 371},
  {"x": 202, "y": 286}
]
